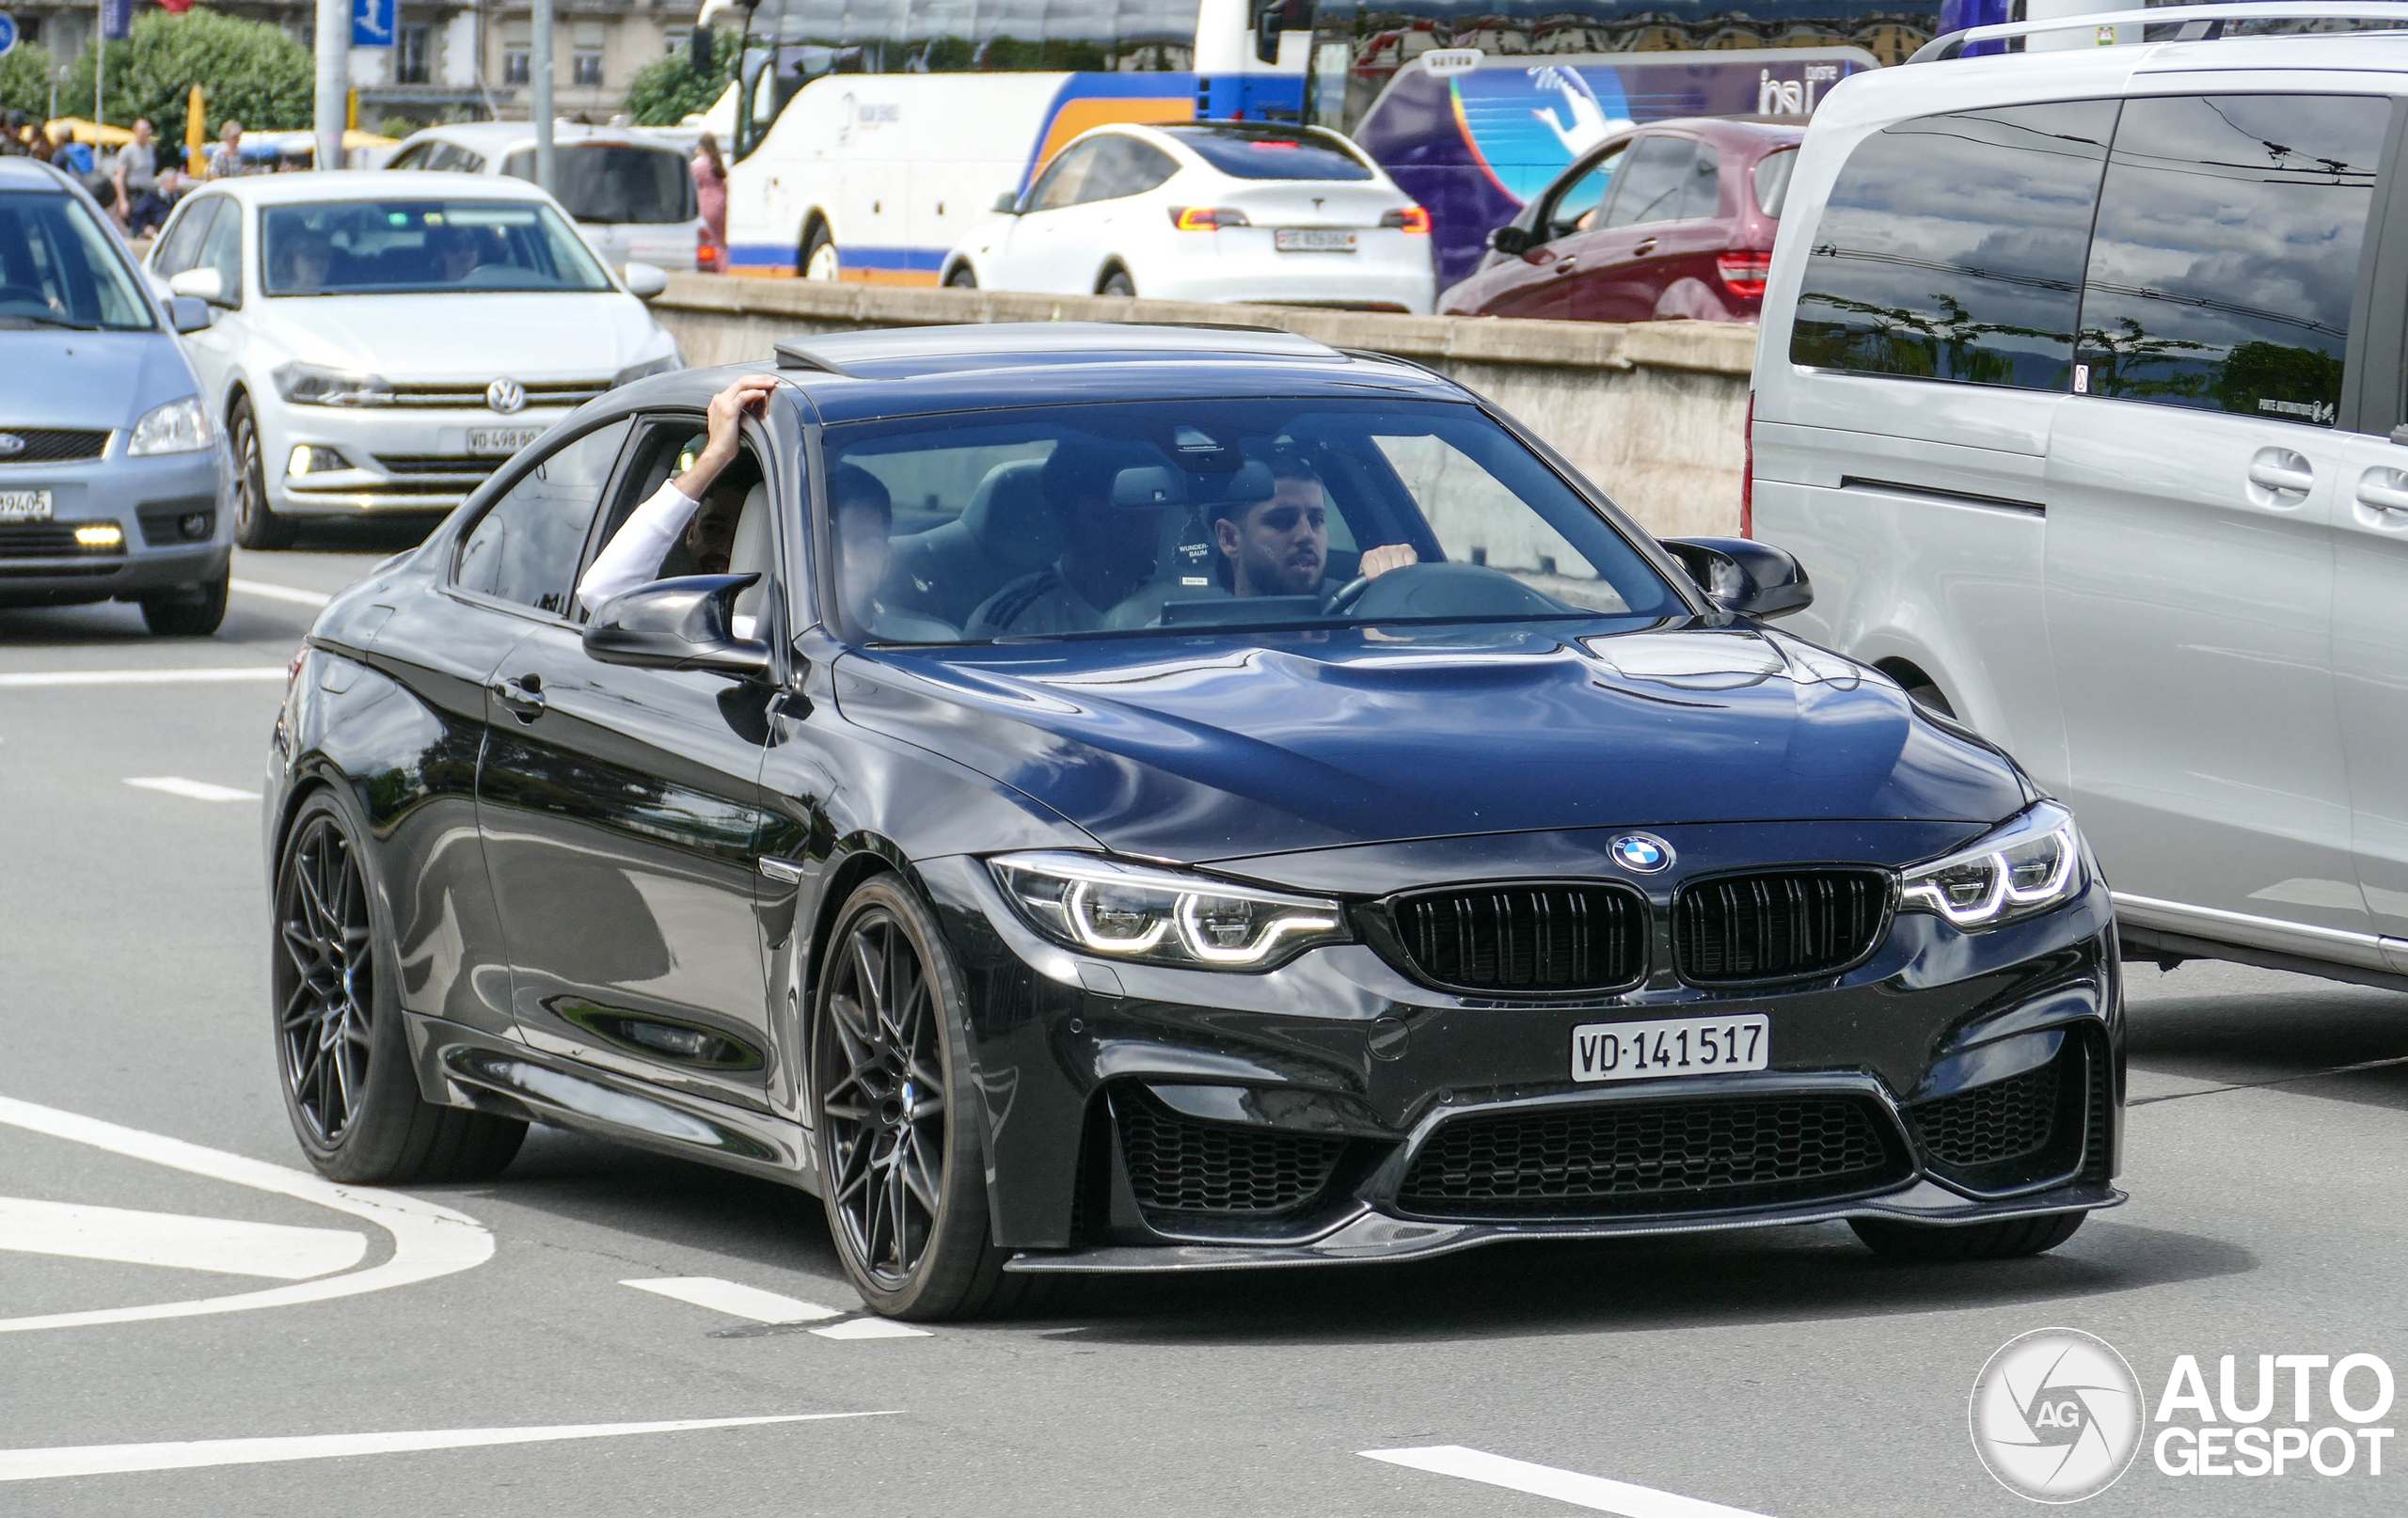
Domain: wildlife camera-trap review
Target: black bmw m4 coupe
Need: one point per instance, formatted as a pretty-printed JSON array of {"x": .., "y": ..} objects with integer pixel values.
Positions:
[{"x": 1121, "y": 799}]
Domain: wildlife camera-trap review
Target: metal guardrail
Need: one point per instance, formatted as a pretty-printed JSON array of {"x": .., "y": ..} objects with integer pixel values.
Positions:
[{"x": 2197, "y": 22}]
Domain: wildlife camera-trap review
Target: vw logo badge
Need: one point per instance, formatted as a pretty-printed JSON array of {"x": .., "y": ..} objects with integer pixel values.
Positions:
[
  {"x": 10, "y": 445},
  {"x": 505, "y": 396},
  {"x": 1641, "y": 853}
]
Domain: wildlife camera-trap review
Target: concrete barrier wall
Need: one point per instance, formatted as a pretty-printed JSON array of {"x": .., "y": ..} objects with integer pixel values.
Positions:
[{"x": 1653, "y": 412}]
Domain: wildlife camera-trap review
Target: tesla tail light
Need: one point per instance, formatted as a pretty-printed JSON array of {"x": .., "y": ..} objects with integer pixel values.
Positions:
[
  {"x": 2025, "y": 865},
  {"x": 1160, "y": 916},
  {"x": 1748, "y": 471},
  {"x": 1410, "y": 218},
  {"x": 1206, "y": 218},
  {"x": 1744, "y": 273}
]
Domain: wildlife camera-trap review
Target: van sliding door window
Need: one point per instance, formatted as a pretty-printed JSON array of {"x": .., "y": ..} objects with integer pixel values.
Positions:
[
  {"x": 2228, "y": 252},
  {"x": 1952, "y": 248}
]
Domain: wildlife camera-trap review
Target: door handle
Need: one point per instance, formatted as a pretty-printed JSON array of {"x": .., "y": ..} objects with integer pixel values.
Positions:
[
  {"x": 2280, "y": 472},
  {"x": 2385, "y": 490},
  {"x": 1646, "y": 244},
  {"x": 522, "y": 693},
  {"x": 1565, "y": 264}
]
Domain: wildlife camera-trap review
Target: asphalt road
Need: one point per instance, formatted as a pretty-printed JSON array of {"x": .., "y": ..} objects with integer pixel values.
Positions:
[{"x": 1784, "y": 1373}]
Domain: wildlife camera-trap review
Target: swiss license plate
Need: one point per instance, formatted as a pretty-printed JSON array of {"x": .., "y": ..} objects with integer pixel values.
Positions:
[
  {"x": 24, "y": 505},
  {"x": 1680, "y": 1046},
  {"x": 501, "y": 439},
  {"x": 1311, "y": 239}
]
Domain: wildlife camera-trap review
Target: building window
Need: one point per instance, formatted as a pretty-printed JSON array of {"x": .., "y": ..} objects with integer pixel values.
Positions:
[
  {"x": 676, "y": 40},
  {"x": 410, "y": 56},
  {"x": 516, "y": 65},
  {"x": 585, "y": 65},
  {"x": 586, "y": 69}
]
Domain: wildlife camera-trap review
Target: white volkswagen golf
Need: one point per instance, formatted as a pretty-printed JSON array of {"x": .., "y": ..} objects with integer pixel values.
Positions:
[
  {"x": 1208, "y": 210},
  {"x": 381, "y": 347}
]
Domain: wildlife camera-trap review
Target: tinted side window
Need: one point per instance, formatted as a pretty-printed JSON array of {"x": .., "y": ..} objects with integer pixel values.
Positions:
[
  {"x": 1656, "y": 183},
  {"x": 413, "y": 156},
  {"x": 2228, "y": 252},
  {"x": 1576, "y": 209},
  {"x": 223, "y": 251},
  {"x": 1064, "y": 183},
  {"x": 182, "y": 249},
  {"x": 1952, "y": 248},
  {"x": 526, "y": 547}
]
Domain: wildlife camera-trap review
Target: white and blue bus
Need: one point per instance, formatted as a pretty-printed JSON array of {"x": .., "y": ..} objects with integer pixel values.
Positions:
[{"x": 868, "y": 135}]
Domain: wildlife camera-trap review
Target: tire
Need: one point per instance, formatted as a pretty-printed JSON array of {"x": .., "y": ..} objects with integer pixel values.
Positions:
[
  {"x": 887, "y": 1032},
  {"x": 964, "y": 278},
  {"x": 820, "y": 260},
  {"x": 255, "y": 520},
  {"x": 1925, "y": 1244},
  {"x": 192, "y": 611},
  {"x": 343, "y": 1056},
  {"x": 1119, "y": 283}
]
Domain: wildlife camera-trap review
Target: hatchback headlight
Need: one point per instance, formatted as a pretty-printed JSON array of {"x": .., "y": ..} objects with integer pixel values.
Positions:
[
  {"x": 658, "y": 366},
  {"x": 307, "y": 384},
  {"x": 178, "y": 427},
  {"x": 1134, "y": 912},
  {"x": 2026, "y": 866}
]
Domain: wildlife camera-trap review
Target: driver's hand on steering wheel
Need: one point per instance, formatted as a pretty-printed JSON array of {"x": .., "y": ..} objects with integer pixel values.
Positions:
[{"x": 1379, "y": 561}]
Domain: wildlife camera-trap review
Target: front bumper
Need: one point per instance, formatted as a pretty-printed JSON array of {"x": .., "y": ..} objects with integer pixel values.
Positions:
[
  {"x": 1340, "y": 1068},
  {"x": 171, "y": 514},
  {"x": 406, "y": 459}
]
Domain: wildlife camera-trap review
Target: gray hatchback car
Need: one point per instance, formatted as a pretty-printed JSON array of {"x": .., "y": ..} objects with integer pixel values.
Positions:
[{"x": 112, "y": 477}]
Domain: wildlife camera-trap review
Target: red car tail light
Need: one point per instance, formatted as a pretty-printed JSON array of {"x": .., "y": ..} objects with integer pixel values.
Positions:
[
  {"x": 1411, "y": 219},
  {"x": 705, "y": 251},
  {"x": 1205, "y": 218},
  {"x": 1744, "y": 273}
]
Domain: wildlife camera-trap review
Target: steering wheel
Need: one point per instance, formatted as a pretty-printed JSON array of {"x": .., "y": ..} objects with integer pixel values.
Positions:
[{"x": 1342, "y": 599}]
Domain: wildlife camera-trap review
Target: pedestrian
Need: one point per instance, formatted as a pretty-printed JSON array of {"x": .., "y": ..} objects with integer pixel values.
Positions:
[
  {"x": 12, "y": 135},
  {"x": 226, "y": 159},
  {"x": 710, "y": 192},
  {"x": 136, "y": 174},
  {"x": 149, "y": 212}
]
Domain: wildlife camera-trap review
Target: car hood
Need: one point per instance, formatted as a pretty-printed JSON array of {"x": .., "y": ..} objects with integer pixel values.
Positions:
[
  {"x": 89, "y": 379},
  {"x": 463, "y": 337},
  {"x": 1204, "y": 748}
]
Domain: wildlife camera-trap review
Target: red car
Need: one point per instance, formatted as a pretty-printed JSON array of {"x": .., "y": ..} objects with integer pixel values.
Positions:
[{"x": 1670, "y": 219}]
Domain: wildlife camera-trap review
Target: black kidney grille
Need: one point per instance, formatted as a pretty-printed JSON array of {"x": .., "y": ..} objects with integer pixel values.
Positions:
[
  {"x": 1989, "y": 1124},
  {"x": 1177, "y": 1164},
  {"x": 1777, "y": 926},
  {"x": 1526, "y": 938},
  {"x": 1651, "y": 1157},
  {"x": 53, "y": 445}
]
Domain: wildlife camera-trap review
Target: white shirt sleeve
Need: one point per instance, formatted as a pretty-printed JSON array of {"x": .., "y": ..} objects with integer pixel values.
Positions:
[{"x": 633, "y": 555}]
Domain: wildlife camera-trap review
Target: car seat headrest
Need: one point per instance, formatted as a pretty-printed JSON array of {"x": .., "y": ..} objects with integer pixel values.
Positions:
[{"x": 1010, "y": 519}]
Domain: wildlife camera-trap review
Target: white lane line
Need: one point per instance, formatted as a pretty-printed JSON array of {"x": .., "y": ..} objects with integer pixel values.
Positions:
[
  {"x": 278, "y": 592},
  {"x": 735, "y": 1300},
  {"x": 207, "y": 675},
  {"x": 428, "y": 1240},
  {"x": 220, "y": 1244},
  {"x": 1592, "y": 1491},
  {"x": 106, "y": 1460},
  {"x": 872, "y": 1328},
  {"x": 197, "y": 790}
]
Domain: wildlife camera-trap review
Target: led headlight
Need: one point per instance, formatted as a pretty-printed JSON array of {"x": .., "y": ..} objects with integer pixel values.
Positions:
[
  {"x": 1163, "y": 916},
  {"x": 658, "y": 366},
  {"x": 307, "y": 384},
  {"x": 178, "y": 427},
  {"x": 2025, "y": 865}
]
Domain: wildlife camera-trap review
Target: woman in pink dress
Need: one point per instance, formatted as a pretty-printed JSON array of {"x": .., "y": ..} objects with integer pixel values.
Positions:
[{"x": 710, "y": 190}]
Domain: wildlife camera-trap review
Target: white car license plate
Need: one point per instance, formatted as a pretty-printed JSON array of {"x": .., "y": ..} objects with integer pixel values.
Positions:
[
  {"x": 1311, "y": 239},
  {"x": 24, "y": 505},
  {"x": 501, "y": 439},
  {"x": 1680, "y": 1046}
]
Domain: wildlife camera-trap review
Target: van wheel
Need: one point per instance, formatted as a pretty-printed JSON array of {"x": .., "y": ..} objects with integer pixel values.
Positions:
[
  {"x": 964, "y": 278},
  {"x": 819, "y": 260},
  {"x": 1927, "y": 1243},
  {"x": 187, "y": 611},
  {"x": 1119, "y": 283},
  {"x": 255, "y": 521}
]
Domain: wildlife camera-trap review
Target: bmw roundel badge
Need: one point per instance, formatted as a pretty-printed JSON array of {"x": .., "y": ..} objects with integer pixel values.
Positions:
[{"x": 1641, "y": 853}]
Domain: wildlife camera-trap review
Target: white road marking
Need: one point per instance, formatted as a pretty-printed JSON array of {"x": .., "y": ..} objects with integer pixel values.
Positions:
[
  {"x": 278, "y": 592},
  {"x": 106, "y": 1460},
  {"x": 198, "y": 790},
  {"x": 872, "y": 1328},
  {"x": 428, "y": 1240},
  {"x": 205, "y": 675},
  {"x": 735, "y": 1300},
  {"x": 1592, "y": 1491},
  {"x": 220, "y": 1244}
]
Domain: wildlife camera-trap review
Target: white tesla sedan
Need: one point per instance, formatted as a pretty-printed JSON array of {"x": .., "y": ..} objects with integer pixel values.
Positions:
[
  {"x": 1208, "y": 210},
  {"x": 380, "y": 345}
]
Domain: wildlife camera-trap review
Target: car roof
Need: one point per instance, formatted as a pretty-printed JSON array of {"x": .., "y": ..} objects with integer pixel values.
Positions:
[
  {"x": 369, "y": 184},
  {"x": 500, "y": 136},
  {"x": 30, "y": 174}
]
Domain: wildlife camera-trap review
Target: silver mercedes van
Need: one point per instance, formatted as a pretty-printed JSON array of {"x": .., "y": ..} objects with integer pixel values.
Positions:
[{"x": 2081, "y": 393}]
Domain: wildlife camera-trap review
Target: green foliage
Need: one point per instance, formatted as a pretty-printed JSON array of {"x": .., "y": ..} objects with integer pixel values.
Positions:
[
  {"x": 253, "y": 73},
  {"x": 398, "y": 126},
  {"x": 666, "y": 90},
  {"x": 24, "y": 80}
]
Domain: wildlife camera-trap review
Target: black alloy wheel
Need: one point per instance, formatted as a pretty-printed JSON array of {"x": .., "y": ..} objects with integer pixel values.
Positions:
[
  {"x": 1925, "y": 1244},
  {"x": 1119, "y": 283},
  {"x": 340, "y": 1046},
  {"x": 900, "y": 1159},
  {"x": 188, "y": 611},
  {"x": 255, "y": 521}
]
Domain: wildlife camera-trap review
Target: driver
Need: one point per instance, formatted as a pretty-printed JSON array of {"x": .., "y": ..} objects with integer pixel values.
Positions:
[
  {"x": 455, "y": 253},
  {"x": 686, "y": 505},
  {"x": 1280, "y": 546},
  {"x": 308, "y": 257}
]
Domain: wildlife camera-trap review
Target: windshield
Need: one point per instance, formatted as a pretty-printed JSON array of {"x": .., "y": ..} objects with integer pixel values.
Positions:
[
  {"x": 415, "y": 246},
  {"x": 614, "y": 183},
  {"x": 1100, "y": 519},
  {"x": 57, "y": 267},
  {"x": 1248, "y": 153}
]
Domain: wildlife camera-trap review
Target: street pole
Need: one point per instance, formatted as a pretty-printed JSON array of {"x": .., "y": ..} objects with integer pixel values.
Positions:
[
  {"x": 539, "y": 78},
  {"x": 334, "y": 83},
  {"x": 101, "y": 66}
]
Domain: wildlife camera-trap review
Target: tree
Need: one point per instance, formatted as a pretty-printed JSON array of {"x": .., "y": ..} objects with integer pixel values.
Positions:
[
  {"x": 253, "y": 73},
  {"x": 666, "y": 90},
  {"x": 24, "y": 80}
]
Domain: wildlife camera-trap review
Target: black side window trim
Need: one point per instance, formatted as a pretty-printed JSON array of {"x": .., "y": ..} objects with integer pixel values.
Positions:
[
  {"x": 1570, "y": 179},
  {"x": 519, "y": 472},
  {"x": 2374, "y": 395}
]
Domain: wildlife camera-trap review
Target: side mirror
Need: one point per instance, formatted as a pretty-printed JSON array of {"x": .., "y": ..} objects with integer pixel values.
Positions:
[
  {"x": 186, "y": 314},
  {"x": 677, "y": 625},
  {"x": 200, "y": 284},
  {"x": 1742, "y": 575},
  {"x": 644, "y": 280},
  {"x": 1007, "y": 204},
  {"x": 1512, "y": 239}
]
